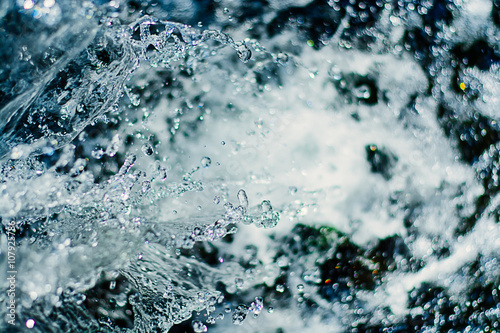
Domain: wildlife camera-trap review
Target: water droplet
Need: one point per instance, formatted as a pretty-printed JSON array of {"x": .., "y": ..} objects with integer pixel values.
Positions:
[
  {"x": 127, "y": 164},
  {"x": 220, "y": 316},
  {"x": 362, "y": 92},
  {"x": 146, "y": 186},
  {"x": 239, "y": 283},
  {"x": 206, "y": 161},
  {"x": 243, "y": 199},
  {"x": 121, "y": 300},
  {"x": 223, "y": 143},
  {"x": 147, "y": 149},
  {"x": 80, "y": 298},
  {"x": 114, "y": 146},
  {"x": 97, "y": 154},
  {"x": 270, "y": 309},
  {"x": 243, "y": 52},
  {"x": 268, "y": 218},
  {"x": 199, "y": 327},
  {"x": 112, "y": 285},
  {"x": 300, "y": 287},
  {"x": 280, "y": 288},
  {"x": 282, "y": 58},
  {"x": 266, "y": 206},
  {"x": 30, "y": 323},
  {"x": 292, "y": 190},
  {"x": 144, "y": 31},
  {"x": 239, "y": 314},
  {"x": 16, "y": 153},
  {"x": 217, "y": 200},
  {"x": 257, "y": 306},
  {"x": 163, "y": 174},
  {"x": 335, "y": 73}
]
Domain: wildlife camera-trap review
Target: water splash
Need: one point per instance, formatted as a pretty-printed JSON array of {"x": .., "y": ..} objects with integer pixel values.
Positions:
[{"x": 119, "y": 129}]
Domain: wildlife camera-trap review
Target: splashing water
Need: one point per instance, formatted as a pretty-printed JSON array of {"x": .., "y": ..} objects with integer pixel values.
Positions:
[{"x": 239, "y": 166}]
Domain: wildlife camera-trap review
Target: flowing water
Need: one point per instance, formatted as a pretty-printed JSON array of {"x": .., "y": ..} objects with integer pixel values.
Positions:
[{"x": 249, "y": 166}]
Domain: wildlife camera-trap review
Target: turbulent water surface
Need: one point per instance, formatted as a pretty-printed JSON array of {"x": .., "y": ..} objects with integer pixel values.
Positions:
[{"x": 249, "y": 166}]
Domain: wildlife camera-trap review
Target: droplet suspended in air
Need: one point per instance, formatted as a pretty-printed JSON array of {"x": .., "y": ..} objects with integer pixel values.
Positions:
[
  {"x": 266, "y": 206},
  {"x": 146, "y": 186},
  {"x": 206, "y": 161},
  {"x": 239, "y": 283},
  {"x": 282, "y": 58},
  {"x": 243, "y": 199},
  {"x": 362, "y": 92},
  {"x": 257, "y": 306},
  {"x": 239, "y": 314},
  {"x": 30, "y": 323},
  {"x": 243, "y": 52},
  {"x": 97, "y": 154},
  {"x": 199, "y": 327},
  {"x": 147, "y": 149}
]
